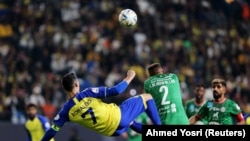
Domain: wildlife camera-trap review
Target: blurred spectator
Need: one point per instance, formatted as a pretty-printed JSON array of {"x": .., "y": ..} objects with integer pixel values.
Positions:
[
  {"x": 37, "y": 98},
  {"x": 16, "y": 107},
  {"x": 6, "y": 29},
  {"x": 48, "y": 109},
  {"x": 113, "y": 77}
]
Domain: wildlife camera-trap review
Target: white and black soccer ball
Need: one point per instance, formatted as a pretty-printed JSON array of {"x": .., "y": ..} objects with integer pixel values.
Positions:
[{"x": 128, "y": 18}]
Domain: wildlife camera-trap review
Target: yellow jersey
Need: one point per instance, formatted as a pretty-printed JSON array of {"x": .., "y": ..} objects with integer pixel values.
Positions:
[
  {"x": 36, "y": 128},
  {"x": 87, "y": 109}
]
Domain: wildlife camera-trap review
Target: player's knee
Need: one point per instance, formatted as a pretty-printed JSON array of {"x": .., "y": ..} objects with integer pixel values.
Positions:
[{"x": 147, "y": 96}]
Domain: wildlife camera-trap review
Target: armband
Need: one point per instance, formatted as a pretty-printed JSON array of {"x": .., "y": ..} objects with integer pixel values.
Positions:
[
  {"x": 239, "y": 117},
  {"x": 55, "y": 127}
]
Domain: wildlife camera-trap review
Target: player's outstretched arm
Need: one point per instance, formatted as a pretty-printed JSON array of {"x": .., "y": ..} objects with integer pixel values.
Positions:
[
  {"x": 121, "y": 87},
  {"x": 49, "y": 134},
  {"x": 194, "y": 119},
  {"x": 130, "y": 76}
]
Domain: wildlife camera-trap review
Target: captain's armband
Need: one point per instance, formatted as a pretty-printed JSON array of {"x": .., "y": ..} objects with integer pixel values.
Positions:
[{"x": 55, "y": 127}]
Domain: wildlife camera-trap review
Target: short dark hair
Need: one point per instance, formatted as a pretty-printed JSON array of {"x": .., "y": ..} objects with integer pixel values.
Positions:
[
  {"x": 31, "y": 105},
  {"x": 68, "y": 81},
  {"x": 152, "y": 68},
  {"x": 219, "y": 81},
  {"x": 200, "y": 85}
]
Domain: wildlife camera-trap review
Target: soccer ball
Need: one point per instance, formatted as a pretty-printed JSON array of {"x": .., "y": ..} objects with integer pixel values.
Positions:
[{"x": 127, "y": 18}]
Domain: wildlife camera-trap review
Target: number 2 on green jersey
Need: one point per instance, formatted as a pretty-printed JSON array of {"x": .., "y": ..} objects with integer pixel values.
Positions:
[{"x": 164, "y": 90}]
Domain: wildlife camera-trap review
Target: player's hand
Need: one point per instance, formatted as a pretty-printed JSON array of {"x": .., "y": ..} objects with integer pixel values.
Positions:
[
  {"x": 131, "y": 73},
  {"x": 130, "y": 76}
]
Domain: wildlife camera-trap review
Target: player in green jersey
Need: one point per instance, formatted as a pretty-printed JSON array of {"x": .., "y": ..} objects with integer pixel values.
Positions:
[
  {"x": 220, "y": 110},
  {"x": 166, "y": 91},
  {"x": 193, "y": 105}
]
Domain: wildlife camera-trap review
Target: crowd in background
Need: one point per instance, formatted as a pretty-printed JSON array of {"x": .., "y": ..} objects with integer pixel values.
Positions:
[{"x": 42, "y": 40}]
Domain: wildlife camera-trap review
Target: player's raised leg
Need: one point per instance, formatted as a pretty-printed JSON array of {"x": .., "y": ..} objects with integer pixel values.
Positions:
[{"x": 151, "y": 109}]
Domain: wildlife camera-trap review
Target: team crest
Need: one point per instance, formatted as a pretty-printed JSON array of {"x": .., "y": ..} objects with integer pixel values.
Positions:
[
  {"x": 192, "y": 108},
  {"x": 209, "y": 104},
  {"x": 95, "y": 90},
  {"x": 222, "y": 109}
]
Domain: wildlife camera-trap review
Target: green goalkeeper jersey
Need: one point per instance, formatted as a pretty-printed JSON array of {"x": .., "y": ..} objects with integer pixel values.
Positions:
[
  {"x": 220, "y": 114},
  {"x": 166, "y": 91}
]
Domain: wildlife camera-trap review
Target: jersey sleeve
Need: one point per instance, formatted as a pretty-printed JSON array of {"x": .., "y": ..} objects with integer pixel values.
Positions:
[
  {"x": 102, "y": 92},
  {"x": 235, "y": 108},
  {"x": 45, "y": 122},
  {"x": 204, "y": 109},
  {"x": 186, "y": 107},
  {"x": 49, "y": 134},
  {"x": 61, "y": 118}
]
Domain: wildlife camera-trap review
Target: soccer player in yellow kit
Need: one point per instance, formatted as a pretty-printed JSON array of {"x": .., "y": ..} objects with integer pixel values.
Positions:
[
  {"x": 87, "y": 109},
  {"x": 36, "y": 125}
]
